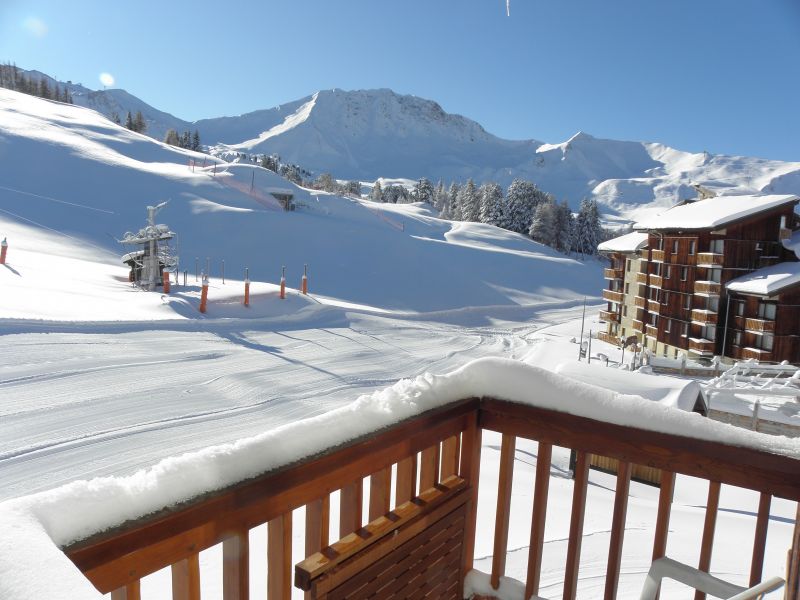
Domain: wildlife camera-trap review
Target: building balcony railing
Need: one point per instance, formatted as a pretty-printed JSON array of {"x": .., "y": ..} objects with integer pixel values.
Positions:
[
  {"x": 607, "y": 315},
  {"x": 701, "y": 346},
  {"x": 638, "y": 326},
  {"x": 707, "y": 288},
  {"x": 704, "y": 317},
  {"x": 613, "y": 273},
  {"x": 641, "y": 278},
  {"x": 651, "y": 331},
  {"x": 752, "y": 353},
  {"x": 653, "y": 306},
  {"x": 656, "y": 281},
  {"x": 613, "y": 296},
  {"x": 709, "y": 259},
  {"x": 639, "y": 302},
  {"x": 759, "y": 325},
  {"x": 657, "y": 255},
  {"x": 604, "y": 336},
  {"x": 440, "y": 449}
]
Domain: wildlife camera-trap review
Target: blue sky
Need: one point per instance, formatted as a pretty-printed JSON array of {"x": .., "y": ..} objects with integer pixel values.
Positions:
[{"x": 716, "y": 75}]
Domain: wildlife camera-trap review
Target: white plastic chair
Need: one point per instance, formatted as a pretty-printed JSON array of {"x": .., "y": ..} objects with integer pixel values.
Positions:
[{"x": 666, "y": 568}]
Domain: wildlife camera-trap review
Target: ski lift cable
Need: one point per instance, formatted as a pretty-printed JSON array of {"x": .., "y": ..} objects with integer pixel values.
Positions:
[
  {"x": 102, "y": 210},
  {"x": 81, "y": 241}
]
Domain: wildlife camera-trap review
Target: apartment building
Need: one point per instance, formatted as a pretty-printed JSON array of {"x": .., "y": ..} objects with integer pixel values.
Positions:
[{"x": 668, "y": 281}]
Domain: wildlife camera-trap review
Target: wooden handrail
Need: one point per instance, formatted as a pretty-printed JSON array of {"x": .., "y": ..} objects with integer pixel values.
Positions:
[{"x": 440, "y": 447}]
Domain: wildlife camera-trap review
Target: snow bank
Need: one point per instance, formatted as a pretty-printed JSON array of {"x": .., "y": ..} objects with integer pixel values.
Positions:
[{"x": 102, "y": 503}]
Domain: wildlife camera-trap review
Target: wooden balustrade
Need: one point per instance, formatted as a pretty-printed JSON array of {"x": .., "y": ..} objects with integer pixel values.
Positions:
[
  {"x": 707, "y": 288},
  {"x": 421, "y": 542},
  {"x": 709, "y": 259},
  {"x": 612, "y": 296},
  {"x": 613, "y": 273},
  {"x": 657, "y": 255}
]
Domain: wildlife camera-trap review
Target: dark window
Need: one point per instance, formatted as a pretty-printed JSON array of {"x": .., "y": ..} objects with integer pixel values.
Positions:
[
  {"x": 692, "y": 247},
  {"x": 674, "y": 246},
  {"x": 684, "y": 273}
]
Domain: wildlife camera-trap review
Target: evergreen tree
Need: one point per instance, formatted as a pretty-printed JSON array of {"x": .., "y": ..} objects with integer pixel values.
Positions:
[
  {"x": 522, "y": 199},
  {"x": 492, "y": 209},
  {"x": 439, "y": 198},
  {"x": 565, "y": 228},
  {"x": 353, "y": 188},
  {"x": 588, "y": 231},
  {"x": 196, "y": 141},
  {"x": 172, "y": 138},
  {"x": 139, "y": 124},
  {"x": 376, "y": 195},
  {"x": 469, "y": 202},
  {"x": 544, "y": 223},
  {"x": 114, "y": 117},
  {"x": 453, "y": 207},
  {"x": 271, "y": 162},
  {"x": 129, "y": 121},
  {"x": 186, "y": 140},
  {"x": 44, "y": 89},
  {"x": 423, "y": 191},
  {"x": 325, "y": 182}
]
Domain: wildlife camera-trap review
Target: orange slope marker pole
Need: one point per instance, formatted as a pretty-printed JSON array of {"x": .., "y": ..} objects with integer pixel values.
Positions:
[
  {"x": 283, "y": 283},
  {"x": 165, "y": 277},
  {"x": 247, "y": 287},
  {"x": 3, "y": 251},
  {"x": 304, "y": 282},
  {"x": 204, "y": 294}
]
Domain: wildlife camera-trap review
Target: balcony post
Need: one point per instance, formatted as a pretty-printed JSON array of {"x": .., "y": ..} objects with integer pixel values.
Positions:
[{"x": 470, "y": 471}]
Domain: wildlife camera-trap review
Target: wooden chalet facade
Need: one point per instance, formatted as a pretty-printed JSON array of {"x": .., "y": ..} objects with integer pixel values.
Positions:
[{"x": 670, "y": 290}]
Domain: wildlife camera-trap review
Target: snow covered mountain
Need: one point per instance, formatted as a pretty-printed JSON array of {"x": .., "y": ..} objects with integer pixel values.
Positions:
[
  {"x": 369, "y": 134},
  {"x": 70, "y": 173}
]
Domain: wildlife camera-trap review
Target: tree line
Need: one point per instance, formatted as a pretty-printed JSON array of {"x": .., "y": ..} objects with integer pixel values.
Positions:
[{"x": 12, "y": 78}]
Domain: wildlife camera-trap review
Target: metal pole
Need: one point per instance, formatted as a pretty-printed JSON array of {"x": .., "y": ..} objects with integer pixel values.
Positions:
[
  {"x": 184, "y": 278},
  {"x": 583, "y": 319},
  {"x": 589, "y": 349},
  {"x": 223, "y": 271},
  {"x": 208, "y": 266},
  {"x": 196, "y": 259}
]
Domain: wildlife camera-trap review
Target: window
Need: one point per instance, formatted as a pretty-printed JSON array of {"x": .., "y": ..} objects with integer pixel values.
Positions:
[
  {"x": 624, "y": 310},
  {"x": 684, "y": 273},
  {"x": 737, "y": 338},
  {"x": 653, "y": 320},
  {"x": 709, "y": 332},
  {"x": 740, "y": 308},
  {"x": 667, "y": 271},
  {"x": 715, "y": 275},
  {"x": 667, "y": 325},
  {"x": 660, "y": 243},
  {"x": 766, "y": 310},
  {"x": 712, "y": 303},
  {"x": 717, "y": 246},
  {"x": 674, "y": 246},
  {"x": 628, "y": 265},
  {"x": 687, "y": 304},
  {"x": 684, "y": 329},
  {"x": 765, "y": 341},
  {"x": 665, "y": 298},
  {"x": 692, "y": 249}
]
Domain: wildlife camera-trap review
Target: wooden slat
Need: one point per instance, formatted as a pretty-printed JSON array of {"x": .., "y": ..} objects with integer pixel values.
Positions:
[
  {"x": 793, "y": 569},
  {"x": 450, "y": 451},
  {"x": 350, "y": 506},
  {"x": 543, "y": 458},
  {"x": 501, "y": 522},
  {"x": 186, "y": 578},
  {"x": 132, "y": 591},
  {"x": 236, "y": 567},
  {"x": 576, "y": 526},
  {"x": 429, "y": 467},
  {"x": 406, "y": 484},
  {"x": 617, "y": 529},
  {"x": 733, "y": 465},
  {"x": 662, "y": 517},
  {"x": 116, "y": 557},
  {"x": 469, "y": 469},
  {"x": 760, "y": 539},
  {"x": 380, "y": 491},
  {"x": 279, "y": 558},
  {"x": 709, "y": 526},
  {"x": 351, "y": 555},
  {"x": 317, "y": 524}
]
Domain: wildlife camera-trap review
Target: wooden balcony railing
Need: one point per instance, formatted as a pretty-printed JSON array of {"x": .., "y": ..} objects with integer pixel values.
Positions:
[
  {"x": 641, "y": 278},
  {"x": 607, "y": 315},
  {"x": 436, "y": 520},
  {"x": 760, "y": 325},
  {"x": 608, "y": 338},
  {"x": 638, "y": 326},
  {"x": 656, "y": 281},
  {"x": 708, "y": 288},
  {"x": 705, "y": 317},
  {"x": 657, "y": 255},
  {"x": 613, "y": 273},
  {"x": 746, "y": 353},
  {"x": 612, "y": 296},
  {"x": 651, "y": 331},
  {"x": 653, "y": 306},
  {"x": 639, "y": 301},
  {"x": 701, "y": 346},
  {"x": 709, "y": 259}
]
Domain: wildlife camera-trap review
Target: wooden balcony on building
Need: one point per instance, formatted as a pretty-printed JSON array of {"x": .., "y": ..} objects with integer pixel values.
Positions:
[
  {"x": 609, "y": 316},
  {"x": 784, "y": 234},
  {"x": 759, "y": 325},
  {"x": 613, "y": 296},
  {"x": 639, "y": 302},
  {"x": 613, "y": 273},
  {"x": 709, "y": 259},
  {"x": 638, "y": 326},
  {"x": 752, "y": 353},
  {"x": 604, "y": 336},
  {"x": 641, "y": 278},
  {"x": 701, "y": 346},
  {"x": 656, "y": 281},
  {"x": 704, "y": 317},
  {"x": 657, "y": 255},
  {"x": 654, "y": 306},
  {"x": 431, "y": 462},
  {"x": 707, "y": 288},
  {"x": 651, "y": 331}
]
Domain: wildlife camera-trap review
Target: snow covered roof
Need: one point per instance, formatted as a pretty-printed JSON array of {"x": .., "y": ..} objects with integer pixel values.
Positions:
[
  {"x": 714, "y": 213},
  {"x": 630, "y": 242},
  {"x": 767, "y": 281},
  {"x": 668, "y": 391},
  {"x": 280, "y": 191}
]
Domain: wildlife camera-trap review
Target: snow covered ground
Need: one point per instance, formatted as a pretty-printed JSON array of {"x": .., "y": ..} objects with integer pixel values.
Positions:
[{"x": 99, "y": 378}]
